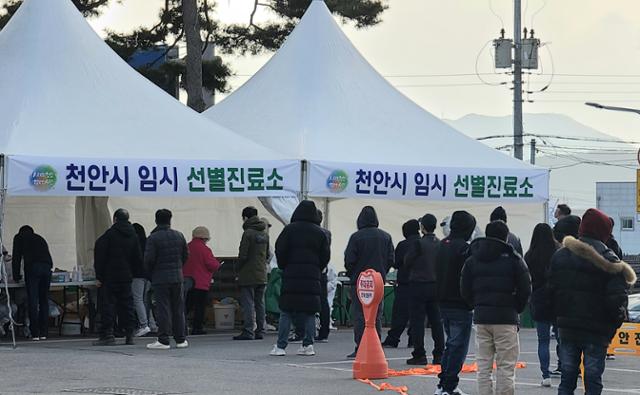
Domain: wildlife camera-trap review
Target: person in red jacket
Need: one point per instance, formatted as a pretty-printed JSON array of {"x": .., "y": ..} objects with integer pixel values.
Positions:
[{"x": 197, "y": 272}]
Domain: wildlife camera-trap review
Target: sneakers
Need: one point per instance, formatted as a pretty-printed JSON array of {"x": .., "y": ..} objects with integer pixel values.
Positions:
[
  {"x": 258, "y": 336},
  {"x": 307, "y": 351},
  {"x": 352, "y": 355},
  {"x": 388, "y": 344},
  {"x": 438, "y": 390},
  {"x": 546, "y": 382},
  {"x": 184, "y": 344},
  {"x": 556, "y": 372},
  {"x": 243, "y": 336},
  {"x": 277, "y": 352},
  {"x": 158, "y": 346},
  {"x": 321, "y": 340},
  {"x": 105, "y": 341},
  {"x": 142, "y": 331},
  {"x": 456, "y": 391},
  {"x": 421, "y": 361},
  {"x": 35, "y": 339},
  {"x": 610, "y": 357},
  {"x": 43, "y": 338}
]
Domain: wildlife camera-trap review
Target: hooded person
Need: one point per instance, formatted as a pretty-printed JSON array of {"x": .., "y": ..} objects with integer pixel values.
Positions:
[
  {"x": 495, "y": 281},
  {"x": 588, "y": 287},
  {"x": 456, "y": 314},
  {"x": 499, "y": 213},
  {"x": 368, "y": 248},
  {"x": 32, "y": 249},
  {"x": 612, "y": 243},
  {"x": 566, "y": 226},
  {"x": 302, "y": 251},
  {"x": 117, "y": 257},
  {"x": 400, "y": 312}
]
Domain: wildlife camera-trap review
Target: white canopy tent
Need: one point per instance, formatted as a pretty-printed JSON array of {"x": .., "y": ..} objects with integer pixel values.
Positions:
[
  {"x": 66, "y": 97},
  {"x": 319, "y": 100}
]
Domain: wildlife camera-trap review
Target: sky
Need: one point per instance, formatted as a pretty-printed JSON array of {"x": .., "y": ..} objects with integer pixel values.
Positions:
[{"x": 432, "y": 49}]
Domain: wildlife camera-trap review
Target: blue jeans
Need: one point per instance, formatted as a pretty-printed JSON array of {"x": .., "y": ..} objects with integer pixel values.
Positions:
[
  {"x": 594, "y": 361},
  {"x": 544, "y": 339},
  {"x": 284, "y": 326},
  {"x": 457, "y": 326}
]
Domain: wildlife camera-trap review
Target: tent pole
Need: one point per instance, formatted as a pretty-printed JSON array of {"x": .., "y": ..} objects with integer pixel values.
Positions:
[
  {"x": 326, "y": 213},
  {"x": 545, "y": 207},
  {"x": 3, "y": 268},
  {"x": 304, "y": 180}
]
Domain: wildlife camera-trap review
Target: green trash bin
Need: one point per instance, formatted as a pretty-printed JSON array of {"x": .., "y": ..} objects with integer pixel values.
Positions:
[{"x": 526, "y": 321}]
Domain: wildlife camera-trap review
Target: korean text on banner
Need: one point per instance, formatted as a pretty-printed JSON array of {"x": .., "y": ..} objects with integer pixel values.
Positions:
[
  {"x": 626, "y": 341},
  {"x": 49, "y": 176},
  {"x": 427, "y": 183}
]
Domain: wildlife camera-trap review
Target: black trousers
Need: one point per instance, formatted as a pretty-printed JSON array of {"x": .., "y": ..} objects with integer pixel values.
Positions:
[
  {"x": 170, "y": 312},
  {"x": 197, "y": 300},
  {"x": 400, "y": 317},
  {"x": 423, "y": 305},
  {"x": 37, "y": 280},
  {"x": 325, "y": 311},
  {"x": 116, "y": 299}
]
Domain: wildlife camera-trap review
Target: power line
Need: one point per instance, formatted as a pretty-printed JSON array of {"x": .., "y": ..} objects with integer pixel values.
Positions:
[{"x": 572, "y": 138}]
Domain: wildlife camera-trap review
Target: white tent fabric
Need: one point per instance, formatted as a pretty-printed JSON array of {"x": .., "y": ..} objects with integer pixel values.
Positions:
[
  {"x": 318, "y": 99},
  {"x": 65, "y": 93}
]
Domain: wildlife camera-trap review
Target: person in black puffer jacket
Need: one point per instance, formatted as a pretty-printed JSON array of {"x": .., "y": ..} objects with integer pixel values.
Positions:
[
  {"x": 420, "y": 261},
  {"x": 456, "y": 313},
  {"x": 32, "y": 249},
  {"x": 117, "y": 256},
  {"x": 400, "y": 311},
  {"x": 368, "y": 248},
  {"x": 302, "y": 251},
  {"x": 496, "y": 282},
  {"x": 588, "y": 288},
  {"x": 566, "y": 226},
  {"x": 164, "y": 256}
]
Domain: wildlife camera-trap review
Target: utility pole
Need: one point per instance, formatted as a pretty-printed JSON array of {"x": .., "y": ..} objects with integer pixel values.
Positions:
[
  {"x": 518, "y": 145},
  {"x": 533, "y": 152}
]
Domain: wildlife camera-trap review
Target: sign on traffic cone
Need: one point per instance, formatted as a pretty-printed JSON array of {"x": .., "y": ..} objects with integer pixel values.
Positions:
[{"x": 370, "y": 361}]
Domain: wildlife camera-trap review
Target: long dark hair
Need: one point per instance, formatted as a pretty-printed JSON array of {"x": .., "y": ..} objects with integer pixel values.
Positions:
[
  {"x": 142, "y": 235},
  {"x": 543, "y": 246}
]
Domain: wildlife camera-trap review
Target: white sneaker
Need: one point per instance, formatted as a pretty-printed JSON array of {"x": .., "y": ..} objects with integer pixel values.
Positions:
[
  {"x": 43, "y": 338},
  {"x": 142, "y": 331},
  {"x": 546, "y": 383},
  {"x": 438, "y": 390},
  {"x": 456, "y": 391},
  {"x": 35, "y": 339},
  {"x": 306, "y": 351},
  {"x": 158, "y": 346},
  {"x": 277, "y": 352},
  {"x": 184, "y": 344}
]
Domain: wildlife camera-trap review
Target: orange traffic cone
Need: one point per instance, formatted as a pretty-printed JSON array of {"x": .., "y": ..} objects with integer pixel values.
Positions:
[{"x": 370, "y": 361}]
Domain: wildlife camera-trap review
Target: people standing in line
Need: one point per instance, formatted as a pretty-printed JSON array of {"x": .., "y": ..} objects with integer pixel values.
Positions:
[
  {"x": 368, "y": 248},
  {"x": 140, "y": 287},
  {"x": 456, "y": 313},
  {"x": 400, "y": 316},
  {"x": 499, "y": 213},
  {"x": 117, "y": 256},
  {"x": 420, "y": 261},
  {"x": 251, "y": 270},
  {"x": 302, "y": 251},
  {"x": 197, "y": 272},
  {"x": 496, "y": 282},
  {"x": 32, "y": 249},
  {"x": 165, "y": 255},
  {"x": 588, "y": 287},
  {"x": 325, "y": 309},
  {"x": 562, "y": 211},
  {"x": 566, "y": 226},
  {"x": 538, "y": 260}
]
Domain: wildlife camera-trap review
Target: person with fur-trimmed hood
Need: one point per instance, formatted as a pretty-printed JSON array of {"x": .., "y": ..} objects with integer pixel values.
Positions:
[{"x": 588, "y": 286}]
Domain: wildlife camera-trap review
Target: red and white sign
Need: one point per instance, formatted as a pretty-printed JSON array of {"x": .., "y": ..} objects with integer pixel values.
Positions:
[{"x": 366, "y": 289}]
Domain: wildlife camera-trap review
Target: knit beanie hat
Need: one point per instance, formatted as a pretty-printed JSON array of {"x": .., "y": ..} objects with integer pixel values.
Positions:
[
  {"x": 201, "y": 232},
  {"x": 595, "y": 224}
]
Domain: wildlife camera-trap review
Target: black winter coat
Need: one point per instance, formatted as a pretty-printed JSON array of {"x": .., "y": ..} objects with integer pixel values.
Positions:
[
  {"x": 302, "y": 251},
  {"x": 539, "y": 268},
  {"x": 588, "y": 290},
  {"x": 496, "y": 282},
  {"x": 401, "y": 251},
  {"x": 165, "y": 254},
  {"x": 32, "y": 248},
  {"x": 117, "y": 254},
  {"x": 368, "y": 248},
  {"x": 421, "y": 259}
]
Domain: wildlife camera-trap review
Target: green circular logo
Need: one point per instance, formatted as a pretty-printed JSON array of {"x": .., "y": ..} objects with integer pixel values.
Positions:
[
  {"x": 337, "y": 181},
  {"x": 43, "y": 178}
]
